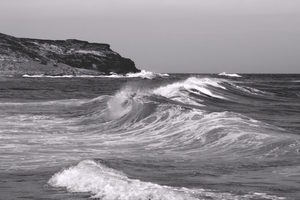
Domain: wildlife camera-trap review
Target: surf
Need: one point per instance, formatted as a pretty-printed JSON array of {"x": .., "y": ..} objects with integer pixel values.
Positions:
[
  {"x": 229, "y": 75},
  {"x": 109, "y": 184},
  {"x": 166, "y": 139}
]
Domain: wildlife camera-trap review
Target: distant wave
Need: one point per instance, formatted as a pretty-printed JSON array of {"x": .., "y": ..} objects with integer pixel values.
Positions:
[
  {"x": 229, "y": 75},
  {"x": 143, "y": 74},
  {"x": 146, "y": 74},
  {"x": 61, "y": 76},
  {"x": 109, "y": 184}
]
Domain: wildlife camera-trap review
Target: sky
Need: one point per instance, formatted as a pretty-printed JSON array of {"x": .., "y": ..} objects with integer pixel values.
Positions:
[{"x": 200, "y": 36}]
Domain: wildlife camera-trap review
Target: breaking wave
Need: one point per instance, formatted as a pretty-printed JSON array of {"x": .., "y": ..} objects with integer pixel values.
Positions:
[
  {"x": 109, "y": 184},
  {"x": 184, "y": 119},
  {"x": 146, "y": 74},
  {"x": 152, "y": 118}
]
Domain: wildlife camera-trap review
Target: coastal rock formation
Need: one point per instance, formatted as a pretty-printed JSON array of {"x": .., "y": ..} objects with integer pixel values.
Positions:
[{"x": 19, "y": 56}]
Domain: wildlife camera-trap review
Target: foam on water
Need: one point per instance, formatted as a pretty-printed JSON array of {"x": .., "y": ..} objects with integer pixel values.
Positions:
[
  {"x": 121, "y": 103},
  {"x": 133, "y": 114},
  {"x": 195, "y": 90},
  {"x": 146, "y": 74},
  {"x": 169, "y": 124},
  {"x": 229, "y": 75},
  {"x": 48, "y": 76},
  {"x": 109, "y": 184},
  {"x": 142, "y": 74},
  {"x": 178, "y": 91}
]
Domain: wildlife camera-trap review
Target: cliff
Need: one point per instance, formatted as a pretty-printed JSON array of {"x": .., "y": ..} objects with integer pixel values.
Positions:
[{"x": 20, "y": 56}]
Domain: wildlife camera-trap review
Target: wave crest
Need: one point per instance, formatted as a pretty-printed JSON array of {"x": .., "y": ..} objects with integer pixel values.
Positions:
[
  {"x": 146, "y": 74},
  {"x": 109, "y": 184},
  {"x": 200, "y": 86}
]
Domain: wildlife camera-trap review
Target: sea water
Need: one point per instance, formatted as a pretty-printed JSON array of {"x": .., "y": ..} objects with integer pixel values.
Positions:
[{"x": 176, "y": 137}]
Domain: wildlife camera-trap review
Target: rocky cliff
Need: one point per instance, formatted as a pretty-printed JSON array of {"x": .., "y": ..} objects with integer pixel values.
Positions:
[{"x": 20, "y": 56}]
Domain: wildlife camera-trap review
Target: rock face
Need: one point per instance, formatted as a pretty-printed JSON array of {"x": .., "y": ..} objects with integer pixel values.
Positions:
[{"x": 20, "y": 56}]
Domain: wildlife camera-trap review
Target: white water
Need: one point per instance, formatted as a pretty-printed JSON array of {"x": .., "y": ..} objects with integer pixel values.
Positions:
[
  {"x": 143, "y": 74},
  {"x": 229, "y": 75},
  {"x": 177, "y": 91},
  {"x": 108, "y": 184},
  {"x": 136, "y": 124}
]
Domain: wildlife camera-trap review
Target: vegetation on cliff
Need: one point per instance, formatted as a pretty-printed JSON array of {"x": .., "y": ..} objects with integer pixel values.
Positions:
[{"x": 20, "y": 56}]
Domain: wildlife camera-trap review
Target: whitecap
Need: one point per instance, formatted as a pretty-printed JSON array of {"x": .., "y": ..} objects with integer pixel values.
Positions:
[
  {"x": 142, "y": 74},
  {"x": 109, "y": 184},
  {"x": 176, "y": 91},
  {"x": 229, "y": 75},
  {"x": 146, "y": 74}
]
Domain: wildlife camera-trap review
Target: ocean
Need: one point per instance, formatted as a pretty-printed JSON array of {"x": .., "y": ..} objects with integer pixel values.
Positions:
[{"x": 176, "y": 137}]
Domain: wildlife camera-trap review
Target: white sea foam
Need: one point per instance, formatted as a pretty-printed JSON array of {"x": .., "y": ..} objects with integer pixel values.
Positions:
[
  {"x": 120, "y": 104},
  {"x": 176, "y": 91},
  {"x": 46, "y": 76},
  {"x": 249, "y": 90},
  {"x": 69, "y": 76},
  {"x": 146, "y": 74},
  {"x": 143, "y": 74},
  {"x": 229, "y": 75},
  {"x": 109, "y": 184}
]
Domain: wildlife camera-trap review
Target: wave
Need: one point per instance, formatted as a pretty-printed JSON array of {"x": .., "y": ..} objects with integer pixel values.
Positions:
[
  {"x": 184, "y": 116},
  {"x": 146, "y": 74},
  {"x": 180, "y": 90},
  {"x": 186, "y": 120},
  {"x": 143, "y": 74},
  {"x": 229, "y": 75},
  {"x": 109, "y": 184},
  {"x": 204, "y": 91},
  {"x": 46, "y": 76},
  {"x": 161, "y": 111},
  {"x": 62, "y": 76}
]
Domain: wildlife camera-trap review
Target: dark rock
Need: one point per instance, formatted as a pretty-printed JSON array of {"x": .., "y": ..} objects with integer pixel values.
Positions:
[{"x": 23, "y": 55}]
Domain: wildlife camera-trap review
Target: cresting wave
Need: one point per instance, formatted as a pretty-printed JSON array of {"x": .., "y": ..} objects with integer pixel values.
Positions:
[
  {"x": 184, "y": 104},
  {"x": 196, "y": 90},
  {"x": 194, "y": 85},
  {"x": 108, "y": 184},
  {"x": 180, "y": 119}
]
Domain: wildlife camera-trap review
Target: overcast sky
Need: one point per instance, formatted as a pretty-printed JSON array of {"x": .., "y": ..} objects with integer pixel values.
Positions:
[{"x": 203, "y": 36}]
